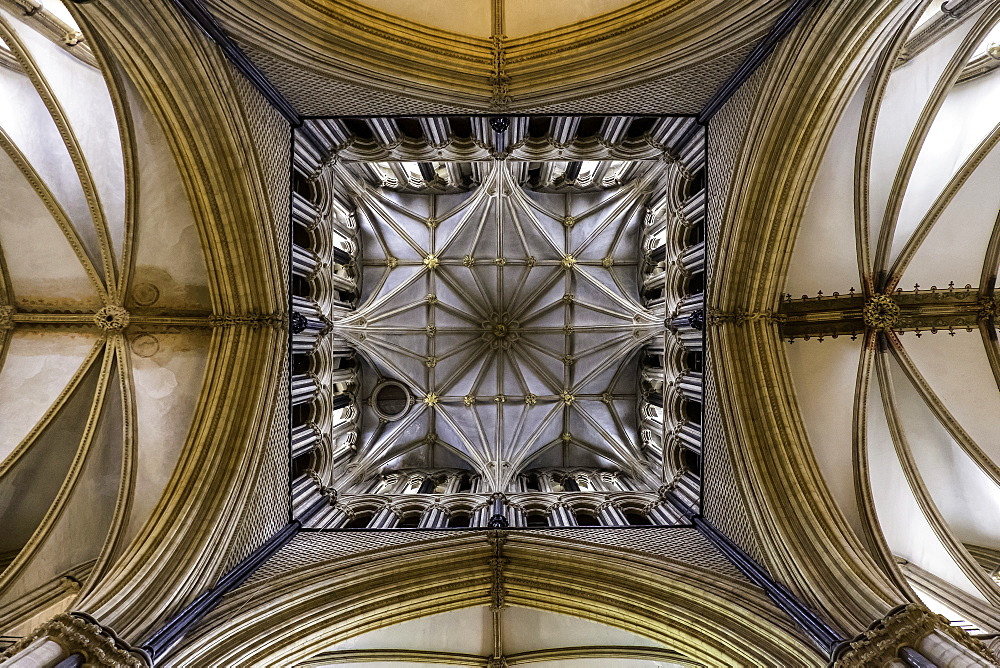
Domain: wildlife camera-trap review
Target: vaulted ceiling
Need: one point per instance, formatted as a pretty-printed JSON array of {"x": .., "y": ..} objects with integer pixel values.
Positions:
[
  {"x": 394, "y": 57},
  {"x": 514, "y": 319},
  {"x": 903, "y": 419},
  {"x": 99, "y": 216},
  {"x": 96, "y": 233}
]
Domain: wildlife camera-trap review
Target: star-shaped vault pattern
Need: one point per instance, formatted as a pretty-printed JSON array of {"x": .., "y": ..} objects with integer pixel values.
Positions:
[{"x": 514, "y": 319}]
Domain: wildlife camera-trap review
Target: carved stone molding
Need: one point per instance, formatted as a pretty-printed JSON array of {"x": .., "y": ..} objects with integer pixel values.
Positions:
[
  {"x": 918, "y": 310},
  {"x": 904, "y": 626},
  {"x": 6, "y": 318},
  {"x": 79, "y": 633},
  {"x": 737, "y": 317},
  {"x": 497, "y": 538},
  {"x": 274, "y": 320}
]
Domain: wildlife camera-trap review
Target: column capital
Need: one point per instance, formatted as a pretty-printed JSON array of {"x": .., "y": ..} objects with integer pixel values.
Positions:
[
  {"x": 904, "y": 626},
  {"x": 77, "y": 632}
]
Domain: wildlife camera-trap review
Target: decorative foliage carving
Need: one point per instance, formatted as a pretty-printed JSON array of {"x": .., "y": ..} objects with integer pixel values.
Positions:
[
  {"x": 903, "y": 626},
  {"x": 499, "y": 79},
  {"x": 919, "y": 310},
  {"x": 77, "y": 632},
  {"x": 737, "y": 317},
  {"x": 497, "y": 539},
  {"x": 989, "y": 307},
  {"x": 112, "y": 318},
  {"x": 6, "y": 318},
  {"x": 881, "y": 312},
  {"x": 251, "y": 319}
]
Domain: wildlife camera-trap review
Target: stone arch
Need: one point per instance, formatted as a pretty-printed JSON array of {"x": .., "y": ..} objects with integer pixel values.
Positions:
[{"x": 711, "y": 616}]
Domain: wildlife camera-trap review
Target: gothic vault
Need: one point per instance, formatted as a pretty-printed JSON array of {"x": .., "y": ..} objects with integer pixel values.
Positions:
[{"x": 625, "y": 333}]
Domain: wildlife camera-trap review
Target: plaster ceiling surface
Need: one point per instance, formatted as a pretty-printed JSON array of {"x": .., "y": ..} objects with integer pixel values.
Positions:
[
  {"x": 521, "y": 17},
  {"x": 904, "y": 426},
  {"x": 514, "y": 319},
  {"x": 527, "y": 635}
]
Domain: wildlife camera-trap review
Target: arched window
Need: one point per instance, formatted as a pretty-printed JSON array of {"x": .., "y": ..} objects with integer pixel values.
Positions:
[
  {"x": 696, "y": 284},
  {"x": 465, "y": 485},
  {"x": 692, "y": 411},
  {"x": 570, "y": 485},
  {"x": 360, "y": 521},
  {"x": 532, "y": 483},
  {"x": 301, "y": 413},
  {"x": 636, "y": 519},
  {"x": 694, "y": 360},
  {"x": 427, "y": 486},
  {"x": 301, "y": 464},
  {"x": 300, "y": 236},
  {"x": 691, "y": 461},
  {"x": 409, "y": 521},
  {"x": 300, "y": 286},
  {"x": 459, "y": 520},
  {"x": 537, "y": 520},
  {"x": 585, "y": 518},
  {"x": 301, "y": 364}
]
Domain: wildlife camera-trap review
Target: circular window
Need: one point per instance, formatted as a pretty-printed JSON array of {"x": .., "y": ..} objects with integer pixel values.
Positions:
[{"x": 391, "y": 400}]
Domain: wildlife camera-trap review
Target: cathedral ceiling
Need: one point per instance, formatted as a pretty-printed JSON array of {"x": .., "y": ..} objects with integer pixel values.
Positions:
[
  {"x": 94, "y": 419},
  {"x": 891, "y": 313},
  {"x": 333, "y": 58},
  {"x": 512, "y": 317},
  {"x": 920, "y": 454}
]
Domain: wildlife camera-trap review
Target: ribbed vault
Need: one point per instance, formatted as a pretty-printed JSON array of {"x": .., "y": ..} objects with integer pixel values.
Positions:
[
  {"x": 141, "y": 300},
  {"x": 334, "y": 58},
  {"x": 513, "y": 317},
  {"x": 104, "y": 305},
  {"x": 711, "y": 616},
  {"x": 905, "y": 435},
  {"x": 143, "y": 345}
]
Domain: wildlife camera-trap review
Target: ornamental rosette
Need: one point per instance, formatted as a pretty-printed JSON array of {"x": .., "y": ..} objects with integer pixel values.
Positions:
[
  {"x": 989, "y": 307},
  {"x": 112, "y": 318},
  {"x": 881, "y": 312}
]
